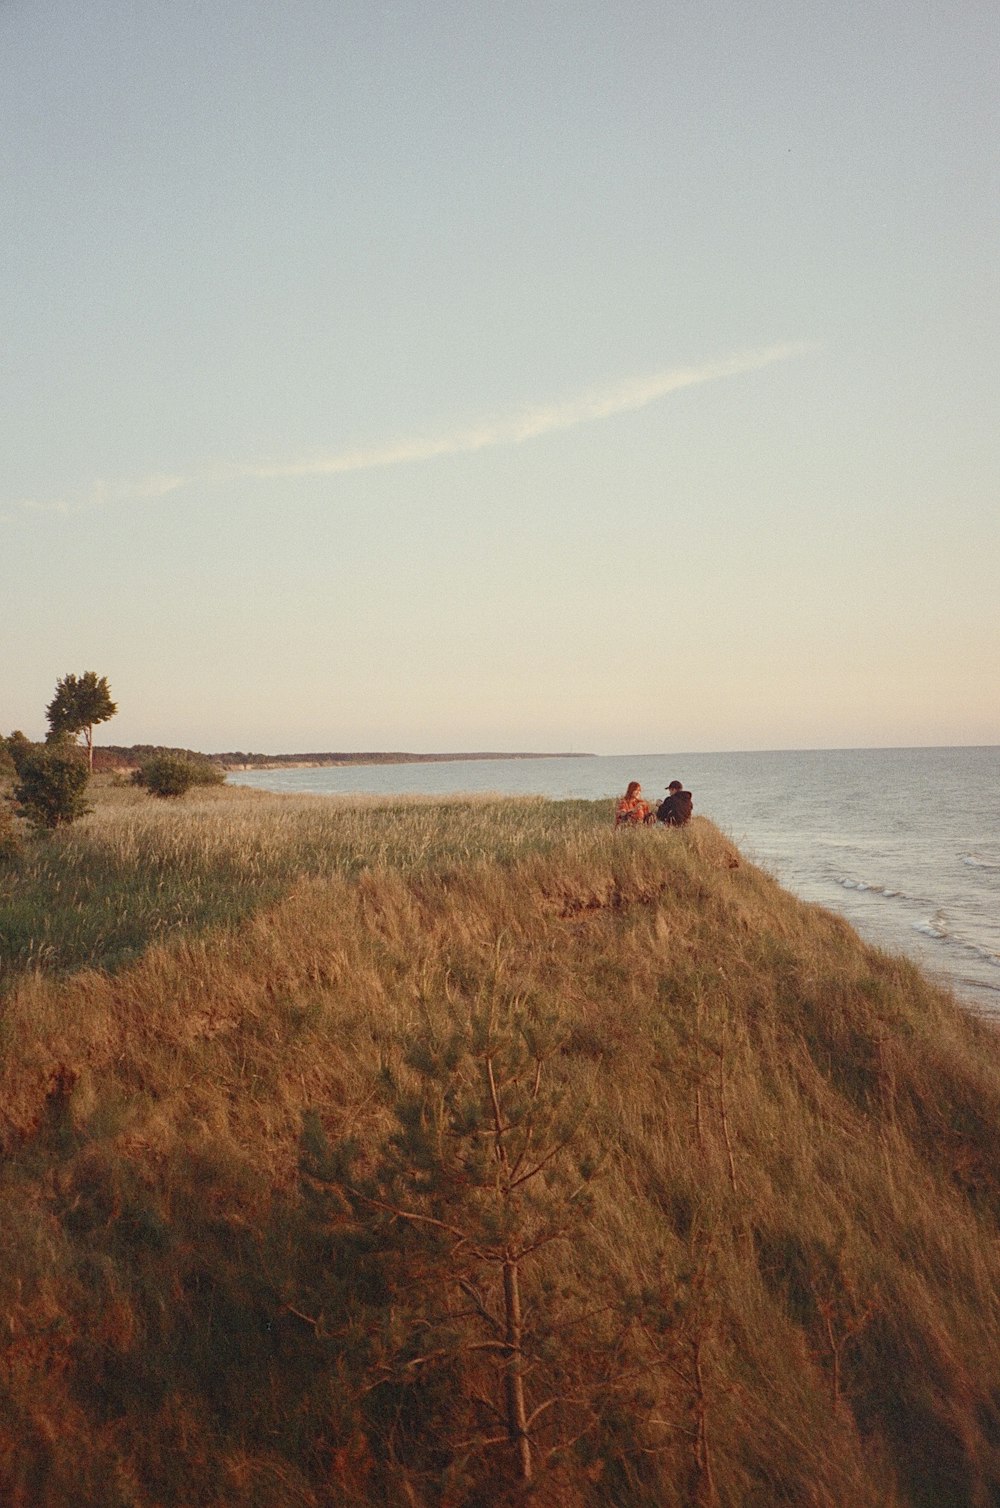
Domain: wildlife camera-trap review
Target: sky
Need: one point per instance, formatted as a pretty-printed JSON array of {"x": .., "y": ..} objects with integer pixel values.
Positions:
[{"x": 523, "y": 375}]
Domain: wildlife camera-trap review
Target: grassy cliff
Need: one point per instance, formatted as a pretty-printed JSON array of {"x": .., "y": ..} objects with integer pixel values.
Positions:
[{"x": 470, "y": 1152}]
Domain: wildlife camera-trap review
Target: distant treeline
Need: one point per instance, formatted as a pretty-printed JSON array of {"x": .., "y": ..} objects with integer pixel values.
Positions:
[
  {"x": 115, "y": 755},
  {"x": 131, "y": 756}
]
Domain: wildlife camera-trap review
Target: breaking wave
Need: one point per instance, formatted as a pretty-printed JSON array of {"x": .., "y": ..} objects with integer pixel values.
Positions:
[
  {"x": 937, "y": 927},
  {"x": 869, "y": 886}
]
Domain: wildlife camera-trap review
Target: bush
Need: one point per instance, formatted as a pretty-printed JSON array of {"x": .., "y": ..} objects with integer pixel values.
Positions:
[
  {"x": 174, "y": 774},
  {"x": 10, "y": 845},
  {"x": 52, "y": 786},
  {"x": 16, "y": 748},
  {"x": 206, "y": 773}
]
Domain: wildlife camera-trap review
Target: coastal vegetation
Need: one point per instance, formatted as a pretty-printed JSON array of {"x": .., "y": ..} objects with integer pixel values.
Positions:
[
  {"x": 80, "y": 703},
  {"x": 50, "y": 789},
  {"x": 118, "y": 756},
  {"x": 470, "y": 1152},
  {"x": 175, "y": 774}
]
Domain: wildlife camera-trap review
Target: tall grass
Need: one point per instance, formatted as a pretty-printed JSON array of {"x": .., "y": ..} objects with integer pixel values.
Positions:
[
  {"x": 267, "y": 1191},
  {"x": 137, "y": 870}
]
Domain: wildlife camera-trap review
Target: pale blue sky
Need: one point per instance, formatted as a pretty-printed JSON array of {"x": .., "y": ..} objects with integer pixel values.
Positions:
[{"x": 513, "y": 376}]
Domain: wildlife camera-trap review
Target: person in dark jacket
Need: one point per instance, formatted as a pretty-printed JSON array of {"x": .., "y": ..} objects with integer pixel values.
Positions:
[{"x": 675, "y": 810}]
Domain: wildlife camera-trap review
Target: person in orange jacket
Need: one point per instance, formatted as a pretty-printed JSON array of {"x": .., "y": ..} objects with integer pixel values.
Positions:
[{"x": 632, "y": 809}]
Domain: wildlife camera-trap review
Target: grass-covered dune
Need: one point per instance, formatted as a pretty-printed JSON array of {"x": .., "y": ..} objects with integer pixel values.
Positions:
[{"x": 469, "y": 1153}]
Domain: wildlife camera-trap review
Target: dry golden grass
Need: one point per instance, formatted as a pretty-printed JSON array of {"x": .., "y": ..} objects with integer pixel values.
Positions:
[
  {"x": 137, "y": 870},
  {"x": 262, "y": 1185}
]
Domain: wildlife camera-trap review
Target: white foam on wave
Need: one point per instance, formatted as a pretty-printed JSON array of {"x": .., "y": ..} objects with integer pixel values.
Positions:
[
  {"x": 987, "y": 954},
  {"x": 937, "y": 928},
  {"x": 869, "y": 887},
  {"x": 975, "y": 862}
]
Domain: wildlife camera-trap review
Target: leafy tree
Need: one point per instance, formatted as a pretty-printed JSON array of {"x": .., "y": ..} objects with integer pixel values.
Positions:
[
  {"x": 52, "y": 785},
  {"x": 80, "y": 703}
]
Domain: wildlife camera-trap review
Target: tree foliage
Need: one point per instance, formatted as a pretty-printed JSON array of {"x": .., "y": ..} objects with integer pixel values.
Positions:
[
  {"x": 8, "y": 769},
  {"x": 51, "y": 789},
  {"x": 17, "y": 747},
  {"x": 469, "y": 1220},
  {"x": 9, "y": 841},
  {"x": 174, "y": 774},
  {"x": 79, "y": 704}
]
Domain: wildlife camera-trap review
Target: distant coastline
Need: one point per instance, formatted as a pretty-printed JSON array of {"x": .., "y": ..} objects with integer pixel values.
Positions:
[
  {"x": 323, "y": 761},
  {"x": 118, "y": 757}
]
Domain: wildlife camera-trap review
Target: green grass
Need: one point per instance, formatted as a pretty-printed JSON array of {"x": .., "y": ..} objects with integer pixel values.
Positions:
[{"x": 138, "y": 870}]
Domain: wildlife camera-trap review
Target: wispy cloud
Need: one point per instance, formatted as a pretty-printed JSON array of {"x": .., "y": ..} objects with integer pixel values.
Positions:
[
  {"x": 511, "y": 429},
  {"x": 530, "y": 423}
]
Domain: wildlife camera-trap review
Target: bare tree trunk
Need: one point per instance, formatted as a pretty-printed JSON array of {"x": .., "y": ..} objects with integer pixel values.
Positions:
[
  {"x": 517, "y": 1417},
  {"x": 722, "y": 1109},
  {"x": 704, "y": 1477},
  {"x": 697, "y": 1080},
  {"x": 517, "y": 1414}
]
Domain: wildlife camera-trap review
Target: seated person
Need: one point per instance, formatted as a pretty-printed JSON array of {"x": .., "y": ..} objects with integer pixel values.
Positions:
[
  {"x": 675, "y": 810},
  {"x": 631, "y": 808}
]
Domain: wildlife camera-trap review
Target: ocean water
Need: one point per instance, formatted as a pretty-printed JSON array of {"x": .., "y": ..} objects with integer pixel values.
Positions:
[{"x": 905, "y": 843}]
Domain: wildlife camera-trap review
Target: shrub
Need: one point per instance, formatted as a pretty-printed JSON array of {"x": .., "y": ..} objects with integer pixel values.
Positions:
[
  {"x": 10, "y": 845},
  {"x": 51, "y": 790},
  {"x": 174, "y": 774},
  {"x": 206, "y": 773},
  {"x": 16, "y": 748}
]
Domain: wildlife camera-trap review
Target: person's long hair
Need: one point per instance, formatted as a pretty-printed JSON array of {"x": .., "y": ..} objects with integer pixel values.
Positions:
[{"x": 633, "y": 789}]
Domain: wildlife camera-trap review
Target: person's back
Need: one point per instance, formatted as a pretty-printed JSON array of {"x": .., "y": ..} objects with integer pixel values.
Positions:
[{"x": 675, "y": 810}]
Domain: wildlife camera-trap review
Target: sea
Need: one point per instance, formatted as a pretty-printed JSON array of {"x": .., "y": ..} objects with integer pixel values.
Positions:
[{"x": 905, "y": 843}]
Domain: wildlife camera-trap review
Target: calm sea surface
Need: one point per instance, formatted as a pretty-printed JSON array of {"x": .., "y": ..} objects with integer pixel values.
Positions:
[{"x": 903, "y": 842}]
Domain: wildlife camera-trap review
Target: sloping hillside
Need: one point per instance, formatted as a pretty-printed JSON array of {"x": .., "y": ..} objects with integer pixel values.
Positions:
[{"x": 505, "y": 1158}]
